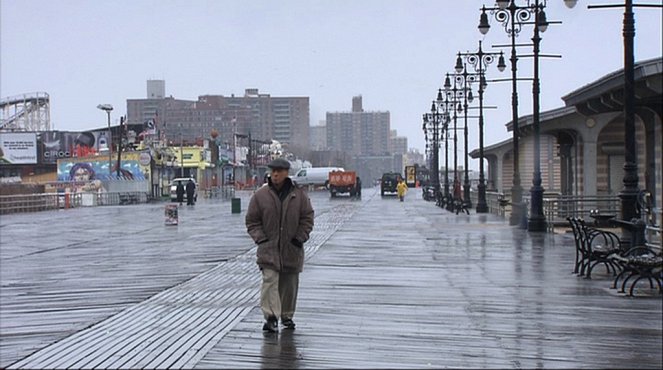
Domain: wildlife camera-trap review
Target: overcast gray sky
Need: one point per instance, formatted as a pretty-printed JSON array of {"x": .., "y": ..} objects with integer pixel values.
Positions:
[{"x": 392, "y": 52}]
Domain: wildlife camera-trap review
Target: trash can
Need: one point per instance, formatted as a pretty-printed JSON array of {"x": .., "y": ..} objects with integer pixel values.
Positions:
[
  {"x": 236, "y": 205},
  {"x": 171, "y": 214}
]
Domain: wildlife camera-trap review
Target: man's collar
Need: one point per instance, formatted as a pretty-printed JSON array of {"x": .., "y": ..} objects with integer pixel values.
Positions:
[{"x": 287, "y": 180}]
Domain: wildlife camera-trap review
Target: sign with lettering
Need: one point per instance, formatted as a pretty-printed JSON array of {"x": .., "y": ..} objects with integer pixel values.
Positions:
[
  {"x": 18, "y": 147},
  {"x": 54, "y": 145}
]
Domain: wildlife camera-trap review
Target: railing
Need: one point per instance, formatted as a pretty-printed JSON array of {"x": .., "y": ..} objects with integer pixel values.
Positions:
[
  {"x": 212, "y": 192},
  {"x": 228, "y": 191},
  {"x": 32, "y": 202},
  {"x": 654, "y": 229},
  {"x": 558, "y": 207},
  {"x": 225, "y": 192},
  {"x": 496, "y": 203},
  {"x": 51, "y": 201},
  {"x": 653, "y": 235}
]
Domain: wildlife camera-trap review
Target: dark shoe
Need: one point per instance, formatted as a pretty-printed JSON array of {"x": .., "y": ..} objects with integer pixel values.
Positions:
[
  {"x": 288, "y": 323},
  {"x": 271, "y": 325}
]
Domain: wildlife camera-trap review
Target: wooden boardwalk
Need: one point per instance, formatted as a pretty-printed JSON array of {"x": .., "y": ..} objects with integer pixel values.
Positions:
[
  {"x": 438, "y": 290},
  {"x": 386, "y": 285}
]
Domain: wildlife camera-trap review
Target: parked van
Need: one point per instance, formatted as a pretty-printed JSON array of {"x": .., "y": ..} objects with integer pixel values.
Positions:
[{"x": 317, "y": 176}]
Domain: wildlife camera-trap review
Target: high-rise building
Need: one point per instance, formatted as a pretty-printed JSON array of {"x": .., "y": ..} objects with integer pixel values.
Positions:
[
  {"x": 264, "y": 117},
  {"x": 318, "y": 136},
  {"x": 398, "y": 143},
  {"x": 156, "y": 89},
  {"x": 359, "y": 132},
  {"x": 357, "y": 104}
]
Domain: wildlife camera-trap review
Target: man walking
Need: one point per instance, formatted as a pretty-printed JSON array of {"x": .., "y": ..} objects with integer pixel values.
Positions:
[
  {"x": 279, "y": 219},
  {"x": 190, "y": 193},
  {"x": 179, "y": 191}
]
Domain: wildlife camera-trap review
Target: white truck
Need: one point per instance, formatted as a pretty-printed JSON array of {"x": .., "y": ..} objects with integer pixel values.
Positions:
[{"x": 315, "y": 176}]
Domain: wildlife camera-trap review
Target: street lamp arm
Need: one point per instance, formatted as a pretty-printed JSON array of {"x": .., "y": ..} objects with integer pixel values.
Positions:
[
  {"x": 509, "y": 45},
  {"x": 509, "y": 79},
  {"x": 484, "y": 107},
  {"x": 481, "y": 59},
  {"x": 540, "y": 56},
  {"x": 513, "y": 17},
  {"x": 622, "y": 5}
]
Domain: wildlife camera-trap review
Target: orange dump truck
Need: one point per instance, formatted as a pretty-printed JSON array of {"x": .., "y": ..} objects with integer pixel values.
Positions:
[{"x": 344, "y": 182}]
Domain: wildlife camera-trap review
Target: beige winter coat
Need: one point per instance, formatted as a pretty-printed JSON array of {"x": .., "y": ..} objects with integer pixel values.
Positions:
[{"x": 274, "y": 224}]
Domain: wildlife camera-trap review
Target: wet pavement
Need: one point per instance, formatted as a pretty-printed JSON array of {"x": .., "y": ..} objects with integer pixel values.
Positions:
[{"x": 386, "y": 285}]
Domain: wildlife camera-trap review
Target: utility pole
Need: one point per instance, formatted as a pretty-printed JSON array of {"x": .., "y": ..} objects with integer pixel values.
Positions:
[
  {"x": 119, "y": 147},
  {"x": 181, "y": 155},
  {"x": 234, "y": 147},
  {"x": 108, "y": 108}
]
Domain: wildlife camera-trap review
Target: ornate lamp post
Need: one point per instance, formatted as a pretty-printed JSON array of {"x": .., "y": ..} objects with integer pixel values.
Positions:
[
  {"x": 444, "y": 105},
  {"x": 432, "y": 123},
  {"x": 513, "y": 17},
  {"x": 456, "y": 95},
  {"x": 465, "y": 78},
  {"x": 453, "y": 93},
  {"x": 480, "y": 60},
  {"x": 630, "y": 191},
  {"x": 428, "y": 151},
  {"x": 452, "y": 105}
]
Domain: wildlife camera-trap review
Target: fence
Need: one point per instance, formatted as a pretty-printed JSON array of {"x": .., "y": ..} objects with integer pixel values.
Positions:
[
  {"x": 556, "y": 207},
  {"x": 225, "y": 192},
  {"x": 125, "y": 186},
  {"x": 51, "y": 201}
]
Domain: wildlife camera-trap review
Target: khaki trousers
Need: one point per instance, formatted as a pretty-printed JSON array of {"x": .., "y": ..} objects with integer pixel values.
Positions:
[{"x": 278, "y": 294}]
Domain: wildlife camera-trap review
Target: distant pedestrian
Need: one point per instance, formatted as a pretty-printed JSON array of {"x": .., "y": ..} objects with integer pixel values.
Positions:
[
  {"x": 179, "y": 191},
  {"x": 190, "y": 192},
  {"x": 358, "y": 187},
  {"x": 279, "y": 219},
  {"x": 401, "y": 189},
  {"x": 458, "y": 203}
]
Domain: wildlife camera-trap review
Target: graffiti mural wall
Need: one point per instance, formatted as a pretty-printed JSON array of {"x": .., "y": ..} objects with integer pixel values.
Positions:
[{"x": 87, "y": 172}]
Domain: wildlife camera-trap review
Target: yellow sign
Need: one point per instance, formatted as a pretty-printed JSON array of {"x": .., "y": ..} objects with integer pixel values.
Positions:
[
  {"x": 188, "y": 156},
  {"x": 410, "y": 175}
]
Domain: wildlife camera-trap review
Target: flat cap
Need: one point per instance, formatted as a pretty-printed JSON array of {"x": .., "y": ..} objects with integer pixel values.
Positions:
[{"x": 279, "y": 163}]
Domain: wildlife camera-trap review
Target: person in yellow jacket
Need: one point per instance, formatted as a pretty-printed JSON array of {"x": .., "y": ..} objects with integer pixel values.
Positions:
[{"x": 401, "y": 188}]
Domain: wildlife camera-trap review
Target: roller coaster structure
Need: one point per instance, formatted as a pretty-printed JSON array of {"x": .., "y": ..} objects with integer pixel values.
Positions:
[{"x": 26, "y": 112}]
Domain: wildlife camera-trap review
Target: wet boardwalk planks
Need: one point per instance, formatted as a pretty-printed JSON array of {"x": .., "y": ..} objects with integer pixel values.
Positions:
[
  {"x": 432, "y": 290},
  {"x": 398, "y": 285},
  {"x": 176, "y": 327}
]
